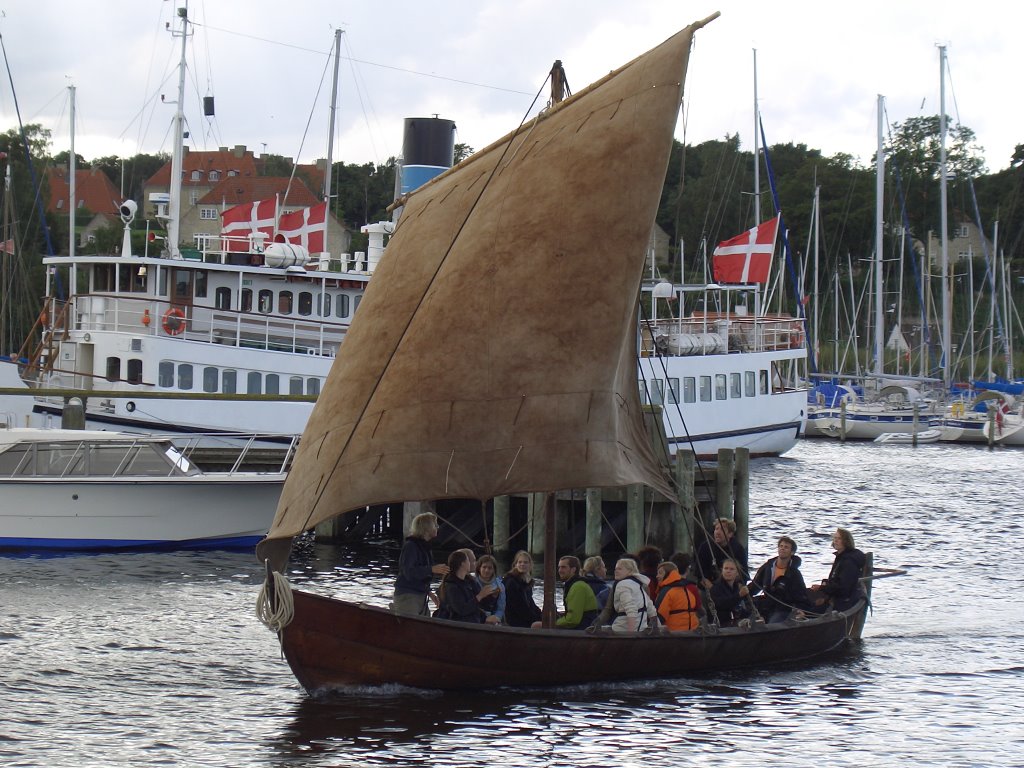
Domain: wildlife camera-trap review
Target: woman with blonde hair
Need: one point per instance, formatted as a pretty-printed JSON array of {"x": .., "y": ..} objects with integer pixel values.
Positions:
[
  {"x": 632, "y": 605},
  {"x": 520, "y": 608},
  {"x": 416, "y": 567}
]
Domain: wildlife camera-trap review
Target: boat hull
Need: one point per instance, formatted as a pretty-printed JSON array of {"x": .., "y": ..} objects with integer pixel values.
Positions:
[
  {"x": 196, "y": 512},
  {"x": 334, "y": 644}
]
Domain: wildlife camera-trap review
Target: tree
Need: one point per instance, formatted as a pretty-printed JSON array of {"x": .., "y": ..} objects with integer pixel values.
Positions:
[{"x": 462, "y": 151}]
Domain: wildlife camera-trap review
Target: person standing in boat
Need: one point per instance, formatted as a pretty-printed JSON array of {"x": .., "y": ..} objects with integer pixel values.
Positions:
[
  {"x": 713, "y": 552},
  {"x": 459, "y": 592},
  {"x": 728, "y": 594},
  {"x": 678, "y": 601},
  {"x": 842, "y": 587},
  {"x": 520, "y": 608},
  {"x": 631, "y": 604},
  {"x": 780, "y": 583},
  {"x": 580, "y": 601},
  {"x": 595, "y": 574},
  {"x": 416, "y": 567},
  {"x": 493, "y": 603}
]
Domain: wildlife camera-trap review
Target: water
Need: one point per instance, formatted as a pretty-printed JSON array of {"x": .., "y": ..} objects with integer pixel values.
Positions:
[{"x": 157, "y": 659}]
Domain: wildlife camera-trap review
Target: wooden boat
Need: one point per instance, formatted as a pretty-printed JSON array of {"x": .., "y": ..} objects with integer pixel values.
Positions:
[{"x": 423, "y": 404}]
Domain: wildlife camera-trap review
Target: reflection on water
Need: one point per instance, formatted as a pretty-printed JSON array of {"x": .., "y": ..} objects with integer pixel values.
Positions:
[{"x": 156, "y": 659}]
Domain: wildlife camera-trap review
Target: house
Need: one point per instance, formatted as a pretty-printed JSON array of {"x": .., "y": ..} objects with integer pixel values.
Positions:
[
  {"x": 96, "y": 199},
  {"x": 965, "y": 241},
  {"x": 215, "y": 180}
]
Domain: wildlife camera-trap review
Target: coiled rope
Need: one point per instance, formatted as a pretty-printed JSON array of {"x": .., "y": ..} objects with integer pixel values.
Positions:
[{"x": 276, "y": 610}]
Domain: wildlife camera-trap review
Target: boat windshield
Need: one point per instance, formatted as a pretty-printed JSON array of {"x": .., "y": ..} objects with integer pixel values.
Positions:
[{"x": 80, "y": 459}]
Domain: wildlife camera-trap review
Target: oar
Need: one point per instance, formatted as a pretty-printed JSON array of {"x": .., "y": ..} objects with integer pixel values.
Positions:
[{"x": 885, "y": 574}]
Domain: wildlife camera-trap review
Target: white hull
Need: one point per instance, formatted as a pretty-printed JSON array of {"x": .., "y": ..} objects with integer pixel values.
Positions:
[{"x": 68, "y": 489}]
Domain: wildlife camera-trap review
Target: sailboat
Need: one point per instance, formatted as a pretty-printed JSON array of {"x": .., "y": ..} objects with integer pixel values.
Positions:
[{"x": 465, "y": 376}]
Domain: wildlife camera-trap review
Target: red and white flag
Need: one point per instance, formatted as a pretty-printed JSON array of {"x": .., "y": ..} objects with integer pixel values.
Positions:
[
  {"x": 306, "y": 227},
  {"x": 747, "y": 258},
  {"x": 242, "y": 219}
]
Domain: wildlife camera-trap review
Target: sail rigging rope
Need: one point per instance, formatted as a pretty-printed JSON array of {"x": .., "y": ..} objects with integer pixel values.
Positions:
[{"x": 278, "y": 613}]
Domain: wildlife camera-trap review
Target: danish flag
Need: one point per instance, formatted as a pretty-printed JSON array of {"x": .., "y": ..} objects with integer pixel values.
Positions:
[
  {"x": 248, "y": 217},
  {"x": 306, "y": 227},
  {"x": 747, "y": 258}
]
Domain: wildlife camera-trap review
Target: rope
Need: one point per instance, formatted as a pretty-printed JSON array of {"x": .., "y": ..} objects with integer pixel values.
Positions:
[{"x": 280, "y": 617}]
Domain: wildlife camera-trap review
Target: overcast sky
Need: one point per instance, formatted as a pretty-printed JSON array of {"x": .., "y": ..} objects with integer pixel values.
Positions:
[{"x": 820, "y": 64}]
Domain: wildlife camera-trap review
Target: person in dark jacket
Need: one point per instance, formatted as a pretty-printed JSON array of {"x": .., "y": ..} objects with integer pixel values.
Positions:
[
  {"x": 728, "y": 594},
  {"x": 459, "y": 592},
  {"x": 780, "y": 584},
  {"x": 595, "y": 573},
  {"x": 416, "y": 568},
  {"x": 520, "y": 608},
  {"x": 713, "y": 552},
  {"x": 842, "y": 588}
]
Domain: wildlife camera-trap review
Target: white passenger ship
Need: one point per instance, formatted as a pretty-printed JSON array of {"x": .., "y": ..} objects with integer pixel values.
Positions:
[{"x": 725, "y": 374}]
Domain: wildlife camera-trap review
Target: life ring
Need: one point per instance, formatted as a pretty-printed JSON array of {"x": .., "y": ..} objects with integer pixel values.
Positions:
[{"x": 173, "y": 321}]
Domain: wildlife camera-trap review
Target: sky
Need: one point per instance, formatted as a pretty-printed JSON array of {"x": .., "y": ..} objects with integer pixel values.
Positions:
[{"x": 820, "y": 68}]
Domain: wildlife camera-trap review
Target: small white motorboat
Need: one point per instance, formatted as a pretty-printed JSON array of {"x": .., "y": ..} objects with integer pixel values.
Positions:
[
  {"x": 909, "y": 438},
  {"x": 76, "y": 490}
]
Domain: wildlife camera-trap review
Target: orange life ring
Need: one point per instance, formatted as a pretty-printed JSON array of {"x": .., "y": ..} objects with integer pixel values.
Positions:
[{"x": 173, "y": 321}]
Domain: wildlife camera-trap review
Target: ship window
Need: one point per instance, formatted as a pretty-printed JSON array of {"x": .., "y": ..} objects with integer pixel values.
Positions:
[
  {"x": 134, "y": 371},
  {"x": 295, "y": 385},
  {"x": 735, "y": 385},
  {"x": 763, "y": 377},
  {"x": 254, "y": 383},
  {"x": 689, "y": 389},
  {"x": 284, "y": 303},
  {"x": 266, "y": 301},
  {"x": 355, "y": 302},
  {"x": 721, "y": 387},
  {"x": 183, "y": 284},
  {"x": 201, "y": 279},
  {"x": 705, "y": 389},
  {"x": 130, "y": 280},
  {"x": 657, "y": 388},
  {"x": 313, "y": 386},
  {"x": 184, "y": 376},
  {"x": 673, "y": 391},
  {"x": 161, "y": 289},
  {"x": 165, "y": 374},
  {"x": 210, "y": 377},
  {"x": 326, "y": 309},
  {"x": 305, "y": 303},
  {"x": 103, "y": 278},
  {"x": 222, "y": 298},
  {"x": 246, "y": 300},
  {"x": 341, "y": 308},
  {"x": 113, "y": 368},
  {"x": 229, "y": 382},
  {"x": 273, "y": 384},
  {"x": 749, "y": 384}
]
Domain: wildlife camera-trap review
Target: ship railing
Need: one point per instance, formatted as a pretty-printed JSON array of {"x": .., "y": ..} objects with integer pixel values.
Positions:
[
  {"x": 145, "y": 316},
  {"x": 744, "y": 333},
  {"x": 242, "y": 250}
]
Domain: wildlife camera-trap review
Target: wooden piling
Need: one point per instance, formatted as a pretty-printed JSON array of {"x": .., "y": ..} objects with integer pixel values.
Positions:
[
  {"x": 501, "y": 528},
  {"x": 682, "y": 517},
  {"x": 842, "y": 421},
  {"x": 741, "y": 504},
  {"x": 535, "y": 530},
  {"x": 724, "y": 484},
  {"x": 592, "y": 536},
  {"x": 634, "y": 517},
  {"x": 917, "y": 420}
]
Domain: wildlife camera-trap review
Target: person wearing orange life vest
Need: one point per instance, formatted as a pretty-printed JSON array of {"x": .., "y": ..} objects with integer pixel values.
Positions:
[{"x": 678, "y": 601}]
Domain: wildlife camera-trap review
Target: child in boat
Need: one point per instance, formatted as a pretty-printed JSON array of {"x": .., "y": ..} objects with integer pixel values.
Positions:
[
  {"x": 781, "y": 583},
  {"x": 678, "y": 601},
  {"x": 459, "y": 593},
  {"x": 520, "y": 608},
  {"x": 493, "y": 605},
  {"x": 728, "y": 594}
]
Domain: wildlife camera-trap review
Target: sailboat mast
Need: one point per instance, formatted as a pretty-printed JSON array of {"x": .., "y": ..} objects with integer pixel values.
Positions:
[
  {"x": 757, "y": 150},
  {"x": 330, "y": 130},
  {"x": 947, "y": 304},
  {"x": 72, "y": 172},
  {"x": 879, "y": 189},
  {"x": 178, "y": 136},
  {"x": 816, "y": 346}
]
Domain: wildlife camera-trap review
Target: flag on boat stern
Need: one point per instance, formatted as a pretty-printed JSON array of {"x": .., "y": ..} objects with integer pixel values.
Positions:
[
  {"x": 306, "y": 227},
  {"x": 747, "y": 258},
  {"x": 240, "y": 220},
  {"x": 466, "y": 373}
]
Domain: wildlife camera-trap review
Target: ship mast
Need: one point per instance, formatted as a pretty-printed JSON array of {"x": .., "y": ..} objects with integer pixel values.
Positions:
[{"x": 178, "y": 134}]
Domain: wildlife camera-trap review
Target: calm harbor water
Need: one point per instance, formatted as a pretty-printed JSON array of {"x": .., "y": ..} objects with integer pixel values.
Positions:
[{"x": 157, "y": 659}]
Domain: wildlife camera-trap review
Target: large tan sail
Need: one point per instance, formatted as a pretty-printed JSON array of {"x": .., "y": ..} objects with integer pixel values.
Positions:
[{"x": 495, "y": 348}]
